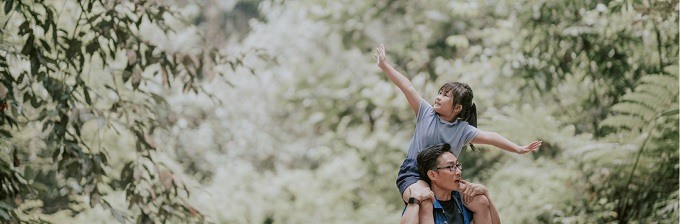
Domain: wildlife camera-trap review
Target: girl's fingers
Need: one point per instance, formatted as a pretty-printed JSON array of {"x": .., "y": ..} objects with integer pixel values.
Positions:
[{"x": 468, "y": 193}]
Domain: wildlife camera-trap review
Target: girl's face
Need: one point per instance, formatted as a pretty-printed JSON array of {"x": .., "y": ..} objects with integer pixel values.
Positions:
[{"x": 443, "y": 103}]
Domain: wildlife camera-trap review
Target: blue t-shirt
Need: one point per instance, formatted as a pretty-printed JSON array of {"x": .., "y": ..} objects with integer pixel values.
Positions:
[{"x": 432, "y": 130}]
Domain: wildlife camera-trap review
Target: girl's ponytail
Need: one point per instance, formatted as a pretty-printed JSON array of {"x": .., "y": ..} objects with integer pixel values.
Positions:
[
  {"x": 472, "y": 115},
  {"x": 471, "y": 118}
]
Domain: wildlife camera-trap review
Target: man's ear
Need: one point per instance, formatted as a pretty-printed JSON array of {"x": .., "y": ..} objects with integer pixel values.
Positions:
[{"x": 431, "y": 174}]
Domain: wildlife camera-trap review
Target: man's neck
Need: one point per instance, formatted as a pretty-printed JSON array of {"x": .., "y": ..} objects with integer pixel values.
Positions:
[{"x": 441, "y": 194}]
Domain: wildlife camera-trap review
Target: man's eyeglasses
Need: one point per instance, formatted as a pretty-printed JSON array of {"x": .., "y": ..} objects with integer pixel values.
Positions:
[{"x": 451, "y": 168}]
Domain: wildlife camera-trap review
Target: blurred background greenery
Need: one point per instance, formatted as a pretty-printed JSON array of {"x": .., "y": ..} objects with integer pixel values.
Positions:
[{"x": 272, "y": 111}]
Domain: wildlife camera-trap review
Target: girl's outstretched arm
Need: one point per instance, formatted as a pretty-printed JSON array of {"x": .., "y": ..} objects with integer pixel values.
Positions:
[
  {"x": 495, "y": 139},
  {"x": 398, "y": 79}
]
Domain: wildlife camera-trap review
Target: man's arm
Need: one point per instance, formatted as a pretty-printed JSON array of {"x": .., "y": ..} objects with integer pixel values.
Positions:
[
  {"x": 410, "y": 215},
  {"x": 398, "y": 79},
  {"x": 495, "y": 139}
]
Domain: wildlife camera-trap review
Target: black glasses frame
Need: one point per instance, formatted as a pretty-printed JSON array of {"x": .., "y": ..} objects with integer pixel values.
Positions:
[{"x": 451, "y": 168}]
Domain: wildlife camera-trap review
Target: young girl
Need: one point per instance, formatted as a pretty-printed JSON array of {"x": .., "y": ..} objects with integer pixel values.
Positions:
[{"x": 453, "y": 120}]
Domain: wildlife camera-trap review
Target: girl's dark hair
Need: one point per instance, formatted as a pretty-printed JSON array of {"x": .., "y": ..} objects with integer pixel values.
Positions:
[
  {"x": 427, "y": 159},
  {"x": 462, "y": 94}
]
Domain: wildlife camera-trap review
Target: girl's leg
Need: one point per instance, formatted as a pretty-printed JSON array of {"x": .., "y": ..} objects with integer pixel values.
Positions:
[
  {"x": 495, "y": 219},
  {"x": 480, "y": 206}
]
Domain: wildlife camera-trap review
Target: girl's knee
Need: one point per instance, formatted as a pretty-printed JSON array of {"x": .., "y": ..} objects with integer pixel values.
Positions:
[{"x": 479, "y": 204}]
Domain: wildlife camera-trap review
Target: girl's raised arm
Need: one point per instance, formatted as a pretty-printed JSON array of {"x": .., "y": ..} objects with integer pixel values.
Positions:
[{"x": 398, "y": 79}]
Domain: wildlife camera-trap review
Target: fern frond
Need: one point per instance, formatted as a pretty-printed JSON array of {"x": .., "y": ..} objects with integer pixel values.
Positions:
[
  {"x": 623, "y": 121},
  {"x": 644, "y": 98},
  {"x": 605, "y": 156},
  {"x": 631, "y": 108},
  {"x": 669, "y": 83},
  {"x": 653, "y": 97},
  {"x": 661, "y": 93}
]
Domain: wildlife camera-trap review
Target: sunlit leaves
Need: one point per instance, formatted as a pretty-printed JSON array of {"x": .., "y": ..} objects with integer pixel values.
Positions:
[
  {"x": 614, "y": 43},
  {"x": 49, "y": 44}
]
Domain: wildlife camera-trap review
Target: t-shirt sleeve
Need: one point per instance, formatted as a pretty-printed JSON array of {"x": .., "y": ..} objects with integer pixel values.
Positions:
[
  {"x": 469, "y": 133},
  {"x": 423, "y": 109}
]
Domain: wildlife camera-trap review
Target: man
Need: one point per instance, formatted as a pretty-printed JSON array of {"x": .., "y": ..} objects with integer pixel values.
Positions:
[{"x": 441, "y": 170}]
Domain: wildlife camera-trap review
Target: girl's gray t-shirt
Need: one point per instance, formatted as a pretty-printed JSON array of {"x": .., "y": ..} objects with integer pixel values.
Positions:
[{"x": 432, "y": 130}]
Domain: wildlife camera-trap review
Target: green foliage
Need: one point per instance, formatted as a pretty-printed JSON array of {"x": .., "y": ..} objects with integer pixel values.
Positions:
[
  {"x": 73, "y": 68},
  {"x": 573, "y": 62},
  {"x": 658, "y": 143},
  {"x": 635, "y": 112},
  {"x": 598, "y": 41},
  {"x": 319, "y": 135}
]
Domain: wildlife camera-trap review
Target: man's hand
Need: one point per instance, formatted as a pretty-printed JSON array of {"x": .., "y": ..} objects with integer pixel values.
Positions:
[
  {"x": 529, "y": 148},
  {"x": 469, "y": 190},
  {"x": 380, "y": 54}
]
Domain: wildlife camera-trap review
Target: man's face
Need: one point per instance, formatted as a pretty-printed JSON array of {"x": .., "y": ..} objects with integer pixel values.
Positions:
[{"x": 448, "y": 173}]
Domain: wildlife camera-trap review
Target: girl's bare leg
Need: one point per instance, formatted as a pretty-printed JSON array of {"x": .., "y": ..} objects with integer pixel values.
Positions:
[{"x": 480, "y": 206}]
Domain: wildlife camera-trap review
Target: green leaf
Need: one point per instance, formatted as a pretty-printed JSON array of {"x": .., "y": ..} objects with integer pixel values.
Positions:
[
  {"x": 49, "y": 22},
  {"x": 126, "y": 174},
  {"x": 29, "y": 173},
  {"x": 35, "y": 102},
  {"x": 670, "y": 113},
  {"x": 3, "y": 214},
  {"x": 86, "y": 92},
  {"x": 92, "y": 47},
  {"x": 35, "y": 64},
  {"x": 5, "y": 133},
  {"x": 28, "y": 47},
  {"x": 127, "y": 73},
  {"x": 45, "y": 45},
  {"x": 5, "y": 206},
  {"x": 8, "y": 6},
  {"x": 56, "y": 153}
]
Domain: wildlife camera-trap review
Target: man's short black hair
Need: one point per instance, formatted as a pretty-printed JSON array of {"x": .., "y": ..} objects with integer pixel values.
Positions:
[{"x": 427, "y": 159}]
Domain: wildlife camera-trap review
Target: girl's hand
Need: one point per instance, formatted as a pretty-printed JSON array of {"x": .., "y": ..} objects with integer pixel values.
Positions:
[
  {"x": 470, "y": 190},
  {"x": 380, "y": 54},
  {"x": 530, "y": 147},
  {"x": 421, "y": 191}
]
